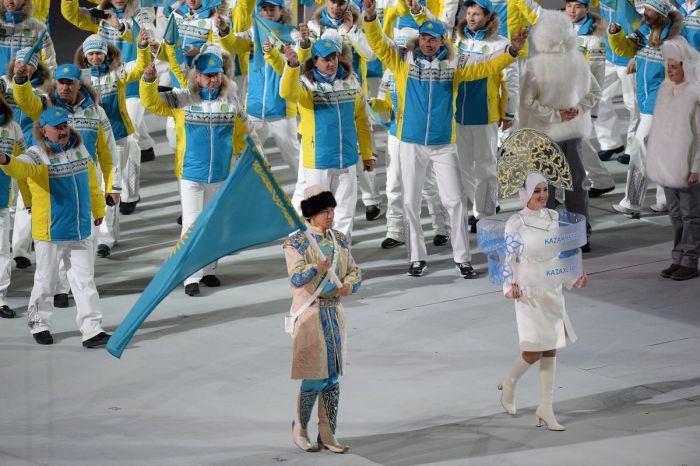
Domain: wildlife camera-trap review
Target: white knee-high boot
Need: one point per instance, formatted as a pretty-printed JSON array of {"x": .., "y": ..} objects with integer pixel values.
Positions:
[
  {"x": 507, "y": 385},
  {"x": 544, "y": 413}
]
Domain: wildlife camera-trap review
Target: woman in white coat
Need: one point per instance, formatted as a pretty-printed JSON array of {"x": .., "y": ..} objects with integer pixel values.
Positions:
[{"x": 543, "y": 323}]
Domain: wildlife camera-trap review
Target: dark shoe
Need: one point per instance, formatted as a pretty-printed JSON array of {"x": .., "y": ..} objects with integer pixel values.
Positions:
[
  {"x": 595, "y": 192},
  {"x": 7, "y": 313},
  {"x": 440, "y": 240},
  {"x": 211, "y": 281},
  {"x": 179, "y": 220},
  {"x": 61, "y": 300},
  {"x": 666, "y": 273},
  {"x": 472, "y": 228},
  {"x": 127, "y": 208},
  {"x": 586, "y": 247},
  {"x": 98, "y": 340},
  {"x": 498, "y": 208},
  {"x": 192, "y": 289},
  {"x": 372, "y": 212},
  {"x": 103, "y": 250},
  {"x": 607, "y": 154},
  {"x": 391, "y": 243},
  {"x": 43, "y": 338},
  {"x": 624, "y": 159},
  {"x": 22, "y": 262},
  {"x": 148, "y": 155},
  {"x": 684, "y": 273},
  {"x": 466, "y": 269},
  {"x": 417, "y": 268}
]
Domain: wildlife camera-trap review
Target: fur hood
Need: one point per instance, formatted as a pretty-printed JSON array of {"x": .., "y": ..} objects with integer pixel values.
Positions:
[
  {"x": 42, "y": 69},
  {"x": 356, "y": 16},
  {"x": 412, "y": 44},
  {"x": 553, "y": 33},
  {"x": 491, "y": 28},
  {"x": 114, "y": 58},
  {"x": 600, "y": 27},
  {"x": 87, "y": 87},
  {"x": 345, "y": 59},
  {"x": 131, "y": 7},
  {"x": 676, "y": 19},
  {"x": 6, "y": 111},
  {"x": 27, "y": 9},
  {"x": 40, "y": 141}
]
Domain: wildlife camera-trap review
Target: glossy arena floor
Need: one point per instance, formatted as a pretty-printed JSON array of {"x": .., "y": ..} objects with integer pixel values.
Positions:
[{"x": 206, "y": 380}]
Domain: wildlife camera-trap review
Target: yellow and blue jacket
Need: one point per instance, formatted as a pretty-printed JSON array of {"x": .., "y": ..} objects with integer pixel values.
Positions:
[
  {"x": 86, "y": 117},
  {"x": 516, "y": 14},
  {"x": 65, "y": 191},
  {"x": 111, "y": 81},
  {"x": 427, "y": 89},
  {"x": 210, "y": 128},
  {"x": 20, "y": 30},
  {"x": 333, "y": 116},
  {"x": 692, "y": 23},
  {"x": 626, "y": 15},
  {"x": 488, "y": 100}
]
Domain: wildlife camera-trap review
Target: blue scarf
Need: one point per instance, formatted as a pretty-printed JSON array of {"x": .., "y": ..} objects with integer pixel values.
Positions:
[
  {"x": 478, "y": 35},
  {"x": 442, "y": 53},
  {"x": 586, "y": 25},
  {"x": 99, "y": 70},
  {"x": 209, "y": 94},
  {"x": 16, "y": 17},
  {"x": 119, "y": 12},
  {"x": 87, "y": 100},
  {"x": 340, "y": 73},
  {"x": 56, "y": 147},
  {"x": 326, "y": 20}
]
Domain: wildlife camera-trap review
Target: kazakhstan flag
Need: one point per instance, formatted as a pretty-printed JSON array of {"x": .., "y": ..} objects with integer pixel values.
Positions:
[{"x": 250, "y": 209}]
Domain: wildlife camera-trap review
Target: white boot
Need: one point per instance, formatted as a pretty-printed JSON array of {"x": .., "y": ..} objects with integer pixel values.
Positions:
[
  {"x": 327, "y": 418},
  {"x": 305, "y": 403},
  {"x": 544, "y": 413},
  {"x": 507, "y": 385}
]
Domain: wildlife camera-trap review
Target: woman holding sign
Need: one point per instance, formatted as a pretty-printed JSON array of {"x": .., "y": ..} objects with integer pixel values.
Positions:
[
  {"x": 543, "y": 255},
  {"x": 321, "y": 270}
]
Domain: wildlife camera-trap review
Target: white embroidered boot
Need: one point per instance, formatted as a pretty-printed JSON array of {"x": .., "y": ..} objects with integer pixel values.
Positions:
[
  {"x": 305, "y": 404},
  {"x": 327, "y": 416},
  {"x": 544, "y": 413},
  {"x": 507, "y": 385}
]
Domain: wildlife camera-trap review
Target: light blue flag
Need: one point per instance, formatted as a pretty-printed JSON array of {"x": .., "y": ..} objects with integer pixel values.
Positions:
[
  {"x": 250, "y": 209},
  {"x": 36, "y": 47},
  {"x": 264, "y": 29}
]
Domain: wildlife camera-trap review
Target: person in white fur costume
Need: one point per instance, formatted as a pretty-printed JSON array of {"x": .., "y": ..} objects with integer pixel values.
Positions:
[
  {"x": 673, "y": 154},
  {"x": 557, "y": 96}
]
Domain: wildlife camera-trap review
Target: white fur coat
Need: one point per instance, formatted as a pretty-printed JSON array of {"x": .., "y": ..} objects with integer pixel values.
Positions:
[
  {"x": 673, "y": 147},
  {"x": 556, "y": 78}
]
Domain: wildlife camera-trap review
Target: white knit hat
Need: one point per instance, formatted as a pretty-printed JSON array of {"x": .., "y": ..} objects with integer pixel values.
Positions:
[{"x": 94, "y": 43}]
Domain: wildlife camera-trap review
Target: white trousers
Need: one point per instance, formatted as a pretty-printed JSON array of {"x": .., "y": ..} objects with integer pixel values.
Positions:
[
  {"x": 616, "y": 80},
  {"x": 108, "y": 231},
  {"x": 597, "y": 175},
  {"x": 22, "y": 231},
  {"x": 5, "y": 254},
  {"x": 395, "y": 225},
  {"x": 477, "y": 146},
  {"x": 636, "y": 186},
  {"x": 170, "y": 132},
  {"x": 342, "y": 182},
  {"x": 414, "y": 164},
  {"x": 284, "y": 133},
  {"x": 194, "y": 197},
  {"x": 136, "y": 112},
  {"x": 78, "y": 259}
]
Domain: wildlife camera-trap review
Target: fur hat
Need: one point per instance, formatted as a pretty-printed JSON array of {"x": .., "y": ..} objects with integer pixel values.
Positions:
[{"x": 316, "y": 200}]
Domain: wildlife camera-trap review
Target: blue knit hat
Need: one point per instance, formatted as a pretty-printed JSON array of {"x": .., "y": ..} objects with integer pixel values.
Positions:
[
  {"x": 432, "y": 27},
  {"x": 67, "y": 71},
  {"x": 53, "y": 116},
  {"x": 662, "y": 7},
  {"x": 94, "y": 43},
  {"x": 21, "y": 55}
]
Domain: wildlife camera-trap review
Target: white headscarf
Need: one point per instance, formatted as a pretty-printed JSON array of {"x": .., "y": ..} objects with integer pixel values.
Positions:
[
  {"x": 680, "y": 50},
  {"x": 531, "y": 182}
]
